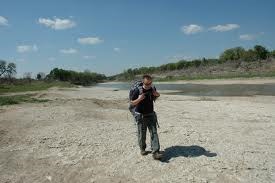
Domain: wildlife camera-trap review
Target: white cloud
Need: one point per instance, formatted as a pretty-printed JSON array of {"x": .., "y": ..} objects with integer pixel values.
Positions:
[
  {"x": 68, "y": 51},
  {"x": 117, "y": 49},
  {"x": 191, "y": 29},
  {"x": 88, "y": 57},
  {"x": 26, "y": 48},
  {"x": 57, "y": 23},
  {"x": 89, "y": 40},
  {"x": 3, "y": 21},
  {"x": 224, "y": 28},
  {"x": 248, "y": 37}
]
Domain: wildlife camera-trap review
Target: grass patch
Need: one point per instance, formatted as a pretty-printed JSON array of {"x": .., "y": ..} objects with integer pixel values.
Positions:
[
  {"x": 33, "y": 86},
  {"x": 16, "y": 99}
]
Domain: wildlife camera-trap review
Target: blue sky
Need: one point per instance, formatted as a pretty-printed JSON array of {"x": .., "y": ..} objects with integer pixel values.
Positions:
[{"x": 110, "y": 36}]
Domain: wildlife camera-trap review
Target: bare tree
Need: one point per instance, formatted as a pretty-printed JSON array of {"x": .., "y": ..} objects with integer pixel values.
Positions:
[
  {"x": 7, "y": 70},
  {"x": 10, "y": 70},
  {"x": 2, "y": 67}
]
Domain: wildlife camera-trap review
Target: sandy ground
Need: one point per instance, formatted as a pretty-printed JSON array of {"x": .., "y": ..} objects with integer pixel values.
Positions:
[{"x": 88, "y": 135}]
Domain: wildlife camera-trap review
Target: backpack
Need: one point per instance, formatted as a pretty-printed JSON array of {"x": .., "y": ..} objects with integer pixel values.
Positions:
[{"x": 136, "y": 85}]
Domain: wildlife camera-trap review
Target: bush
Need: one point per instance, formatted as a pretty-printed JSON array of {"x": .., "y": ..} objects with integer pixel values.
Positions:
[
  {"x": 234, "y": 54},
  {"x": 78, "y": 78}
]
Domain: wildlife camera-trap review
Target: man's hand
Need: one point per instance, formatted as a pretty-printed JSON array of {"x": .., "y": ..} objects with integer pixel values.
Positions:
[
  {"x": 155, "y": 93},
  {"x": 138, "y": 100},
  {"x": 141, "y": 97}
]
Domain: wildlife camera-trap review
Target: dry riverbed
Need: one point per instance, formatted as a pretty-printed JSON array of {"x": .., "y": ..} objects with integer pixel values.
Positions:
[{"x": 88, "y": 135}]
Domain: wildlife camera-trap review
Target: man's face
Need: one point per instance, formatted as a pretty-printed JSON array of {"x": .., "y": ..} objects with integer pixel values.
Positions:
[{"x": 147, "y": 83}]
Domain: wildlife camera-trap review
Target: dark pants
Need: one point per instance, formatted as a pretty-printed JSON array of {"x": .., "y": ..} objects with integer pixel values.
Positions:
[{"x": 150, "y": 122}]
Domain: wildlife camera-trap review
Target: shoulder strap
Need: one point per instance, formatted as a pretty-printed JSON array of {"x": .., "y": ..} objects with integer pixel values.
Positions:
[{"x": 140, "y": 90}]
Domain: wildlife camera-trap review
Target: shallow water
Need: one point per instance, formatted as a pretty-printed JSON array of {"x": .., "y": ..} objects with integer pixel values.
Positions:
[{"x": 207, "y": 90}]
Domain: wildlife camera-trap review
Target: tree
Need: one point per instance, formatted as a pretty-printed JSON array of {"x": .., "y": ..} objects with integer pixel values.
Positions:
[
  {"x": 7, "y": 70},
  {"x": 80, "y": 78},
  {"x": 261, "y": 52},
  {"x": 11, "y": 70},
  {"x": 171, "y": 66},
  {"x": 197, "y": 63},
  {"x": 40, "y": 76},
  {"x": 250, "y": 56},
  {"x": 2, "y": 67},
  {"x": 181, "y": 64},
  {"x": 87, "y": 71},
  {"x": 232, "y": 54}
]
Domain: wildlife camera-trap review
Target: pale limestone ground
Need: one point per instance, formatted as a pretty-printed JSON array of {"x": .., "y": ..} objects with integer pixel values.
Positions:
[{"x": 88, "y": 135}]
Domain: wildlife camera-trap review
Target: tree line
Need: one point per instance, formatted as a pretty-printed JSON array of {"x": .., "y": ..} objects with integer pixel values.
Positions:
[
  {"x": 8, "y": 72},
  {"x": 237, "y": 54},
  {"x": 79, "y": 78}
]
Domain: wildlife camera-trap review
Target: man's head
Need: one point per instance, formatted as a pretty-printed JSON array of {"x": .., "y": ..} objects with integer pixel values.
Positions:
[{"x": 147, "y": 81}]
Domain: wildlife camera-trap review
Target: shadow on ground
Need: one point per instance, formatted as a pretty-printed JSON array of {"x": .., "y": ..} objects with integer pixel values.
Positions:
[{"x": 185, "y": 151}]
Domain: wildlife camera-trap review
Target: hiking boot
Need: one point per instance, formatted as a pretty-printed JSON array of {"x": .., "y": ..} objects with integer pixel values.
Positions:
[
  {"x": 143, "y": 152},
  {"x": 157, "y": 156}
]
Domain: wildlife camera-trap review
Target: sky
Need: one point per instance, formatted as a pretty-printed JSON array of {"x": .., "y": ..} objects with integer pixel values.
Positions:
[{"x": 111, "y": 36}]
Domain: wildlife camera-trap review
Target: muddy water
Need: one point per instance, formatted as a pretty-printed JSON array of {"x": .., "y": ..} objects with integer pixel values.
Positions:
[{"x": 207, "y": 89}]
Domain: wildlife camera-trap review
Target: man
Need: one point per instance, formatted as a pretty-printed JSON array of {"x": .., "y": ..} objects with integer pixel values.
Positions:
[{"x": 146, "y": 117}]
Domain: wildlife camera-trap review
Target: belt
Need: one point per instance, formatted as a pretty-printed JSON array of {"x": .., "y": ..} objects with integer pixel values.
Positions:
[{"x": 147, "y": 115}]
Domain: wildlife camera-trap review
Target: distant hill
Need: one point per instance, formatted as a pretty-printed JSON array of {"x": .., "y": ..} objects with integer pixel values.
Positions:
[{"x": 233, "y": 62}]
